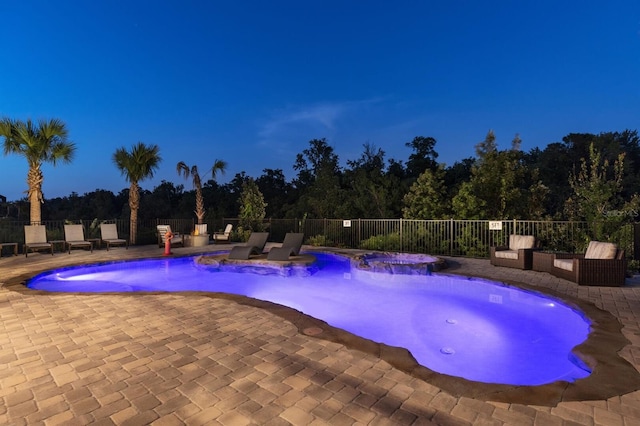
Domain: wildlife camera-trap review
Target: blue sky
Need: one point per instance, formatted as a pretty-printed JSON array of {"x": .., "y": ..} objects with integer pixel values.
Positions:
[{"x": 252, "y": 82}]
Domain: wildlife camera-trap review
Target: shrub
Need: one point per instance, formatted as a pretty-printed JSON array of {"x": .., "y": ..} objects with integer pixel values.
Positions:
[
  {"x": 387, "y": 242},
  {"x": 319, "y": 241}
]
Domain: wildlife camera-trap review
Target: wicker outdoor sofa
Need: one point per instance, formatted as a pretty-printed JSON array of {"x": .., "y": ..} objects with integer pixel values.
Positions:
[
  {"x": 603, "y": 264},
  {"x": 518, "y": 254}
]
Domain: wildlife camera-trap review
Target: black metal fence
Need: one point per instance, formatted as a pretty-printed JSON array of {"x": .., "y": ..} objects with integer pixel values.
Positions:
[
  {"x": 13, "y": 231},
  {"x": 470, "y": 238}
]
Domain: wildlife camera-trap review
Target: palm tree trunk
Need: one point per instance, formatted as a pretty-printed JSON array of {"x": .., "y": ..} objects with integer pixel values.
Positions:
[
  {"x": 134, "y": 205},
  {"x": 199, "y": 205},
  {"x": 34, "y": 180}
]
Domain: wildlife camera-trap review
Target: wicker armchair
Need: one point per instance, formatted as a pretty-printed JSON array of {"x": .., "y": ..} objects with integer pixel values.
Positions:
[
  {"x": 584, "y": 269},
  {"x": 518, "y": 254}
]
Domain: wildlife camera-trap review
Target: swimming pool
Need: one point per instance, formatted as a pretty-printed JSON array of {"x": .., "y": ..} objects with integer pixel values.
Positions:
[{"x": 464, "y": 327}]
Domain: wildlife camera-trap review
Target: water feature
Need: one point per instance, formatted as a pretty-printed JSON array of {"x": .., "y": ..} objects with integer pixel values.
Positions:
[{"x": 399, "y": 263}]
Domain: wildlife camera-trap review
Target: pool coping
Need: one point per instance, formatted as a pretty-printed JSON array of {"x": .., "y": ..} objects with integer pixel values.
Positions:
[{"x": 611, "y": 374}]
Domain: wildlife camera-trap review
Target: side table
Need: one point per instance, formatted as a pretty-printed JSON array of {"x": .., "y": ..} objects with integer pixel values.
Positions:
[
  {"x": 543, "y": 261},
  {"x": 56, "y": 242},
  {"x": 15, "y": 248}
]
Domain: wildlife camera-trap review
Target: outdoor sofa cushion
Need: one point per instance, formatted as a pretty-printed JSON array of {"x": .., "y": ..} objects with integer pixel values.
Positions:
[
  {"x": 566, "y": 264},
  {"x": 507, "y": 254},
  {"x": 598, "y": 250},
  {"x": 517, "y": 242}
]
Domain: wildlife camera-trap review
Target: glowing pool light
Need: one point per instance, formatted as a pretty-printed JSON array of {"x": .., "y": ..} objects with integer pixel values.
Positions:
[{"x": 465, "y": 327}]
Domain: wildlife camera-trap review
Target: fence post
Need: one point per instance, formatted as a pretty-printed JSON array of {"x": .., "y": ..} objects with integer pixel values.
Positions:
[
  {"x": 451, "y": 237},
  {"x": 636, "y": 241},
  {"x": 324, "y": 226},
  {"x": 401, "y": 234}
]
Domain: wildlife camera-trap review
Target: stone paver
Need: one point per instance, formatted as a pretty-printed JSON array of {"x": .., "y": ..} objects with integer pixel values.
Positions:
[{"x": 169, "y": 359}]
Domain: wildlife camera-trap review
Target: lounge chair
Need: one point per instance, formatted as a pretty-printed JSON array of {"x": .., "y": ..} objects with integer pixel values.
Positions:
[
  {"x": 35, "y": 239},
  {"x": 177, "y": 238},
  {"x": 290, "y": 247},
  {"x": 518, "y": 254},
  {"x": 109, "y": 234},
  {"x": 255, "y": 245},
  {"x": 603, "y": 264},
  {"x": 223, "y": 236},
  {"x": 74, "y": 237}
]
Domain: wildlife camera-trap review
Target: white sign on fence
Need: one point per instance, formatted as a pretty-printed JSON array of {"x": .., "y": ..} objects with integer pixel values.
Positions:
[
  {"x": 346, "y": 223},
  {"x": 495, "y": 225}
]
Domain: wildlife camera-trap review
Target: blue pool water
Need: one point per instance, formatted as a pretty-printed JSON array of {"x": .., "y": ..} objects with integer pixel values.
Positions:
[{"x": 465, "y": 327}]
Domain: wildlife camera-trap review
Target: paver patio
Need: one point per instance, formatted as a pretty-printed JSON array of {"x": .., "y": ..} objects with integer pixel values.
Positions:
[{"x": 169, "y": 359}]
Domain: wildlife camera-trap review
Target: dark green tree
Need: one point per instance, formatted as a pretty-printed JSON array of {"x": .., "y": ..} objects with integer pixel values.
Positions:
[
  {"x": 427, "y": 198},
  {"x": 226, "y": 202},
  {"x": 487, "y": 146},
  {"x": 309, "y": 164},
  {"x": 554, "y": 164},
  {"x": 557, "y": 160},
  {"x": 252, "y": 207},
  {"x": 276, "y": 191},
  {"x": 164, "y": 202},
  {"x": 596, "y": 186},
  {"x": 500, "y": 184},
  {"x": 369, "y": 189},
  {"x": 423, "y": 158},
  {"x": 318, "y": 184},
  {"x": 458, "y": 173}
]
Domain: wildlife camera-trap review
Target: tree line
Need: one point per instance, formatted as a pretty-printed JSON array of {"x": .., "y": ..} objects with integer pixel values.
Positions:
[{"x": 594, "y": 177}]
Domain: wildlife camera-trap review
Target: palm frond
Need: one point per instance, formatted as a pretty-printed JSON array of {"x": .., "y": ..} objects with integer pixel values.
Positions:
[
  {"x": 218, "y": 166},
  {"x": 182, "y": 169},
  {"x": 138, "y": 164}
]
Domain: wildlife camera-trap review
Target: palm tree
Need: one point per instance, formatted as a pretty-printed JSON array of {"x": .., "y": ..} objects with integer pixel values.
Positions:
[
  {"x": 44, "y": 142},
  {"x": 183, "y": 170},
  {"x": 138, "y": 164}
]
